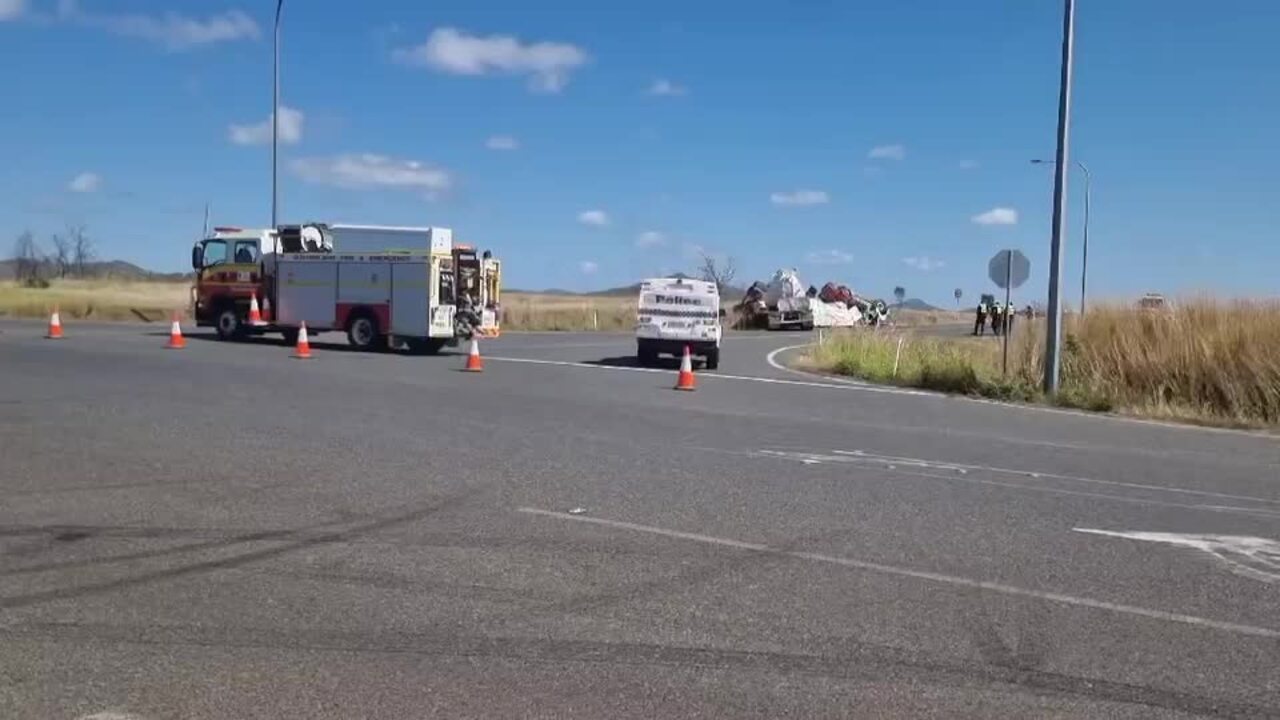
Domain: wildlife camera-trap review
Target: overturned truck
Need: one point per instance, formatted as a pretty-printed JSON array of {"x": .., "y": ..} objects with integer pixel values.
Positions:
[{"x": 785, "y": 304}]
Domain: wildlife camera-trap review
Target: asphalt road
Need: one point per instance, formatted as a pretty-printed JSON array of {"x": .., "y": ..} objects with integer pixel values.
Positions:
[{"x": 226, "y": 532}]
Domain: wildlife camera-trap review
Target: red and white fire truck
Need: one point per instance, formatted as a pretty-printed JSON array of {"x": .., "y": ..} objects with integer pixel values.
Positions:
[{"x": 383, "y": 286}]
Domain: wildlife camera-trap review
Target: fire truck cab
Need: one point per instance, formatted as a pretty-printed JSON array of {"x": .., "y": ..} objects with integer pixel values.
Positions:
[{"x": 383, "y": 286}]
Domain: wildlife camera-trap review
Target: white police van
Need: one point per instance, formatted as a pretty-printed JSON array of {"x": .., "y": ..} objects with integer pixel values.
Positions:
[{"x": 675, "y": 313}]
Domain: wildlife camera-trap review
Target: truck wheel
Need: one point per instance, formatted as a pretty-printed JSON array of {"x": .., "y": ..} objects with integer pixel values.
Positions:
[
  {"x": 362, "y": 332},
  {"x": 290, "y": 336},
  {"x": 713, "y": 359},
  {"x": 228, "y": 323}
]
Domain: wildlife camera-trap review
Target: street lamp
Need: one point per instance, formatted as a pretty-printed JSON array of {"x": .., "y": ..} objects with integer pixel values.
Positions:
[
  {"x": 275, "y": 113},
  {"x": 1084, "y": 268}
]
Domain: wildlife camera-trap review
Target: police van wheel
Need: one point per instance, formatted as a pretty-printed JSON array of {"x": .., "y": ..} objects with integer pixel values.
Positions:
[
  {"x": 713, "y": 359},
  {"x": 646, "y": 355},
  {"x": 228, "y": 323}
]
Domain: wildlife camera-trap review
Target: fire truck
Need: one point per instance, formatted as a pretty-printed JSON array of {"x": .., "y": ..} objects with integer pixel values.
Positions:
[{"x": 382, "y": 286}]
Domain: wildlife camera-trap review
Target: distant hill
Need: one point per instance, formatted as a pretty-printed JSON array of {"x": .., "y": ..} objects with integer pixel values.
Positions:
[
  {"x": 916, "y": 304},
  {"x": 100, "y": 269}
]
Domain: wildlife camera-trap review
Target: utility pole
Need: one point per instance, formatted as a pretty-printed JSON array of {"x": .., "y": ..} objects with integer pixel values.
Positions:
[
  {"x": 275, "y": 114},
  {"x": 1088, "y": 194},
  {"x": 1053, "y": 335}
]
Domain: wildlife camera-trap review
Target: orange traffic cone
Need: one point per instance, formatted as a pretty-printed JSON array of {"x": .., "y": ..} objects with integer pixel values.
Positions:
[
  {"x": 255, "y": 314},
  {"x": 176, "y": 341},
  {"x": 303, "y": 351},
  {"x": 685, "y": 380},
  {"x": 55, "y": 325},
  {"x": 474, "y": 363},
  {"x": 266, "y": 308}
]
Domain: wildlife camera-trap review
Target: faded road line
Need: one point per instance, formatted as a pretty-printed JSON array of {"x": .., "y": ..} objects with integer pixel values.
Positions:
[
  {"x": 710, "y": 375},
  {"x": 955, "y": 580}
]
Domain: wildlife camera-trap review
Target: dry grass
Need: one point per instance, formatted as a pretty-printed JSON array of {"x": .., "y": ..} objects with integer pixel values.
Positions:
[
  {"x": 1204, "y": 361},
  {"x": 921, "y": 318},
  {"x": 534, "y": 311},
  {"x": 96, "y": 299}
]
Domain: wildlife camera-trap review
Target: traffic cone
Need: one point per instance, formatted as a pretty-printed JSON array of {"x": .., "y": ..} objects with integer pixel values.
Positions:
[
  {"x": 176, "y": 341},
  {"x": 474, "y": 363},
  {"x": 266, "y": 309},
  {"x": 303, "y": 351},
  {"x": 55, "y": 325},
  {"x": 685, "y": 380},
  {"x": 255, "y": 314}
]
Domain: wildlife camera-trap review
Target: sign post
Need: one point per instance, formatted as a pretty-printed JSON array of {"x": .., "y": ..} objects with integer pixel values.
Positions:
[{"x": 1008, "y": 269}]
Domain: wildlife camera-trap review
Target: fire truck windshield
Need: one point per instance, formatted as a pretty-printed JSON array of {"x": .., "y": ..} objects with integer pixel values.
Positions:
[{"x": 215, "y": 252}]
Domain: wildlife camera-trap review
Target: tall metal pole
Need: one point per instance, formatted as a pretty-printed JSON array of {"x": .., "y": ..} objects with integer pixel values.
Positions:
[
  {"x": 1008, "y": 306},
  {"x": 1053, "y": 335},
  {"x": 1084, "y": 267},
  {"x": 275, "y": 113}
]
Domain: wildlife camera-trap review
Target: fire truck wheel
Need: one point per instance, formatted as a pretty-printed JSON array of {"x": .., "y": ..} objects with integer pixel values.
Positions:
[
  {"x": 362, "y": 332},
  {"x": 228, "y": 323}
]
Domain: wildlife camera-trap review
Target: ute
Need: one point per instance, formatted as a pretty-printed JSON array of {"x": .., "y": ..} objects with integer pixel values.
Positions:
[{"x": 382, "y": 286}]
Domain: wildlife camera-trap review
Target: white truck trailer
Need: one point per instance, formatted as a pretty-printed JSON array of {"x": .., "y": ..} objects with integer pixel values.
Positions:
[{"x": 675, "y": 313}]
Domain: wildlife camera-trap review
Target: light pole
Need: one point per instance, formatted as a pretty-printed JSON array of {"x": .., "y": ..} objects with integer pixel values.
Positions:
[
  {"x": 1084, "y": 267},
  {"x": 275, "y": 113},
  {"x": 1053, "y": 328}
]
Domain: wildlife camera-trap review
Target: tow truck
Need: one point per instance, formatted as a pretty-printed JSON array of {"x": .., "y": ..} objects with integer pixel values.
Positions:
[{"x": 383, "y": 286}]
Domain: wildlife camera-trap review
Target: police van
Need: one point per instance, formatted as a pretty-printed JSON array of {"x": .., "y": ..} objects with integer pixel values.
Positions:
[{"x": 675, "y": 313}]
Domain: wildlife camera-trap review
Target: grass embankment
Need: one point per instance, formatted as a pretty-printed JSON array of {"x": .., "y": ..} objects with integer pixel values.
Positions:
[
  {"x": 106, "y": 299},
  {"x": 1204, "y": 361},
  {"x": 533, "y": 311}
]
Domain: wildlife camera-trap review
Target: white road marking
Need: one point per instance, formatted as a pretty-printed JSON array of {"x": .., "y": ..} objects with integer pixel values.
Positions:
[
  {"x": 861, "y": 455},
  {"x": 955, "y": 580},
  {"x": 1253, "y": 557},
  {"x": 961, "y": 475},
  {"x": 707, "y": 375}
]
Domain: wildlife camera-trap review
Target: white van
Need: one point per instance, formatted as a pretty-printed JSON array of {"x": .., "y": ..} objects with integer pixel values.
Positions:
[{"x": 675, "y": 313}]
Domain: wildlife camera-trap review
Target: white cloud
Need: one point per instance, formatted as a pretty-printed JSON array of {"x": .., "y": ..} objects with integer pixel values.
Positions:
[
  {"x": 171, "y": 30},
  {"x": 923, "y": 263},
  {"x": 85, "y": 182},
  {"x": 829, "y": 257},
  {"x": 665, "y": 88},
  {"x": 650, "y": 238},
  {"x": 260, "y": 133},
  {"x": 588, "y": 267},
  {"x": 800, "y": 197},
  {"x": 598, "y": 218},
  {"x": 997, "y": 216},
  {"x": 502, "y": 142},
  {"x": 887, "y": 152},
  {"x": 12, "y": 9},
  {"x": 968, "y": 165},
  {"x": 368, "y": 171},
  {"x": 449, "y": 50}
]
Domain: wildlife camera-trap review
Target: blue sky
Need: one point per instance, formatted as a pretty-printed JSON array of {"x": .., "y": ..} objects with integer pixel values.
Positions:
[{"x": 590, "y": 145}]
